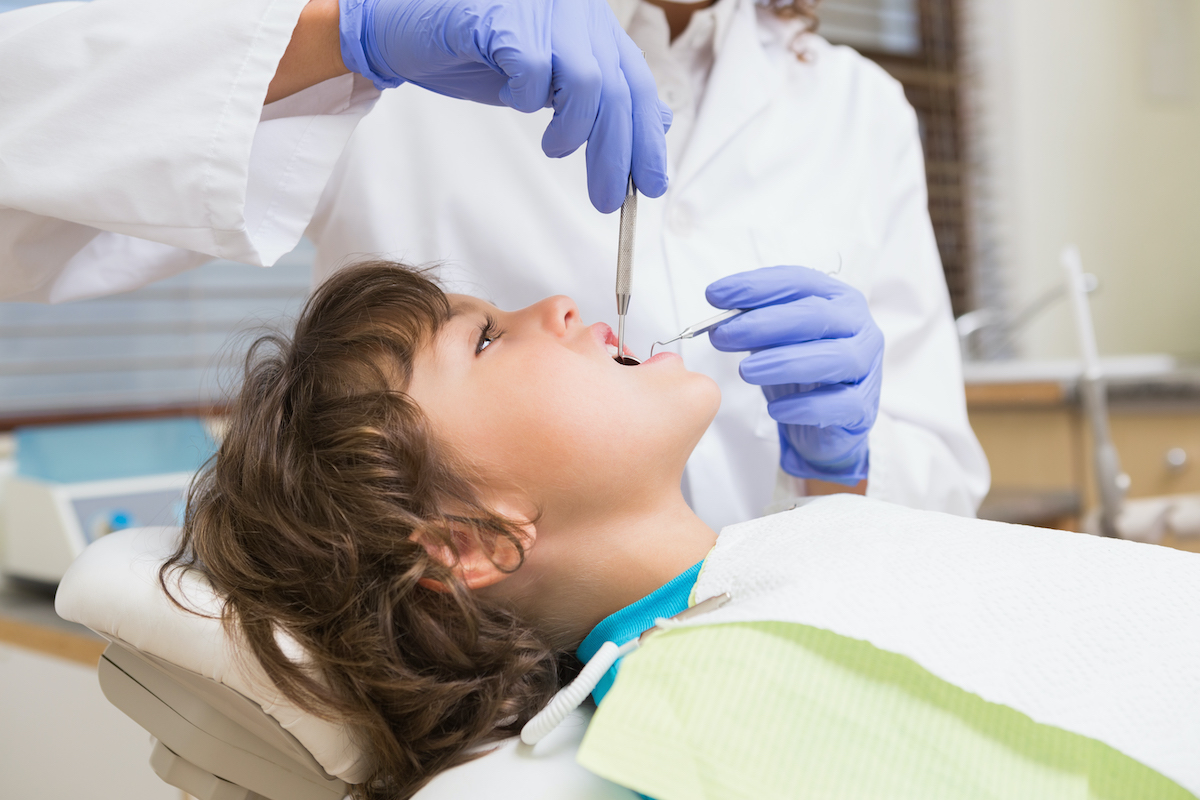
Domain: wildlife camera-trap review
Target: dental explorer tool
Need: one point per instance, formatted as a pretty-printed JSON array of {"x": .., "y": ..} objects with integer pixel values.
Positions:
[
  {"x": 625, "y": 267},
  {"x": 702, "y": 327}
]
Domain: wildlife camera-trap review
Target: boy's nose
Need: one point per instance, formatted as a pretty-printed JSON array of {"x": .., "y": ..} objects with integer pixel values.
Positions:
[{"x": 558, "y": 314}]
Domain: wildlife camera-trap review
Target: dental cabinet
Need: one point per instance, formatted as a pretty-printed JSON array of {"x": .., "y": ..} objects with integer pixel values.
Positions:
[{"x": 1031, "y": 425}]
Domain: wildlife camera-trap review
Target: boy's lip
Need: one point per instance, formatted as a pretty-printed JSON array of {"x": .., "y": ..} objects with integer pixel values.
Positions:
[{"x": 604, "y": 335}]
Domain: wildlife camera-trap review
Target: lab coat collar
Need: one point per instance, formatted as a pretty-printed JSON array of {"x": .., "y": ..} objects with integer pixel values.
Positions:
[
  {"x": 723, "y": 13},
  {"x": 742, "y": 83}
]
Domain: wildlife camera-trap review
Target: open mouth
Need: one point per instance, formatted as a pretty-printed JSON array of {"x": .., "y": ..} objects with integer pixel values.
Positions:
[{"x": 627, "y": 358}]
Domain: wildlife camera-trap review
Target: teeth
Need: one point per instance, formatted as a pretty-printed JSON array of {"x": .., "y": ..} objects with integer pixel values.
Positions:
[{"x": 612, "y": 350}]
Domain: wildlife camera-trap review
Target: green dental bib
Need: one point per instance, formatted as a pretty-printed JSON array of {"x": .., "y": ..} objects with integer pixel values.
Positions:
[{"x": 766, "y": 710}]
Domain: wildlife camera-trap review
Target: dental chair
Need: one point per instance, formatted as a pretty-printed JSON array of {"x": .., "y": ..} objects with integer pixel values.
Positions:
[{"x": 222, "y": 731}]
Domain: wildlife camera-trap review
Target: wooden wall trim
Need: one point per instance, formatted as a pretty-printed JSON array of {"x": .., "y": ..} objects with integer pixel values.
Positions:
[
  {"x": 60, "y": 644},
  {"x": 104, "y": 415}
]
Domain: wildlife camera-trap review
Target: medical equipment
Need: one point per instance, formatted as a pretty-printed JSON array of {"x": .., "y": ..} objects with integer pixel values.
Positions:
[
  {"x": 701, "y": 327},
  {"x": 1111, "y": 481},
  {"x": 1004, "y": 328},
  {"x": 77, "y": 483},
  {"x": 625, "y": 268},
  {"x": 570, "y": 697}
]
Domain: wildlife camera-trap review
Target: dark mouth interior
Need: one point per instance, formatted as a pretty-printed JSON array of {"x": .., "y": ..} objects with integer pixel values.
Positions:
[{"x": 627, "y": 361}]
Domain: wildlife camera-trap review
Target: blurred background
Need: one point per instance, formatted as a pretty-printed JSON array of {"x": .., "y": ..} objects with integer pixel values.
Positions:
[
  {"x": 1049, "y": 124},
  {"x": 1045, "y": 124}
]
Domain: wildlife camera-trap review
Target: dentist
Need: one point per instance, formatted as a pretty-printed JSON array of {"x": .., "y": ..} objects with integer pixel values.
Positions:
[{"x": 140, "y": 138}]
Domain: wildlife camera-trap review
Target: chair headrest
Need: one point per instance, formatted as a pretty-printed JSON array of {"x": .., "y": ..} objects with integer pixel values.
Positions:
[{"x": 113, "y": 588}]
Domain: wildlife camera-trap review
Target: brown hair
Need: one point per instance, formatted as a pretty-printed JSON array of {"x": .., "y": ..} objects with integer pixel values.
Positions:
[{"x": 305, "y": 520}]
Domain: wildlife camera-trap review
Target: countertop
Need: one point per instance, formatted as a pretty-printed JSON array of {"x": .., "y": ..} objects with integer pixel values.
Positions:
[
  {"x": 1142, "y": 381},
  {"x": 27, "y": 620}
]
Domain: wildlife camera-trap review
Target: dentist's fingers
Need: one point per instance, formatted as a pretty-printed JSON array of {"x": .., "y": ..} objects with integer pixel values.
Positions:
[
  {"x": 803, "y": 320},
  {"x": 522, "y": 48},
  {"x": 576, "y": 85},
  {"x": 772, "y": 285},
  {"x": 825, "y": 407},
  {"x": 649, "y": 157},
  {"x": 824, "y": 361},
  {"x": 610, "y": 145}
]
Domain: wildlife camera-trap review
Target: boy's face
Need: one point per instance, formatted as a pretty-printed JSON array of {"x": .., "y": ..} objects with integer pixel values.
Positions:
[{"x": 535, "y": 403}]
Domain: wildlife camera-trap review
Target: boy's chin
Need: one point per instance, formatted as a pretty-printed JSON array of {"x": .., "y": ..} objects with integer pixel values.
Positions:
[
  {"x": 705, "y": 412},
  {"x": 709, "y": 399}
]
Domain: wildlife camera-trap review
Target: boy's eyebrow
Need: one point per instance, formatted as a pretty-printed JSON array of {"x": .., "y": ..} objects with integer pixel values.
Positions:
[
  {"x": 455, "y": 313},
  {"x": 459, "y": 309}
]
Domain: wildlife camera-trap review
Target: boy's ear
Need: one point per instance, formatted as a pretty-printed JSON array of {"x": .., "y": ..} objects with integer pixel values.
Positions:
[{"x": 481, "y": 561}]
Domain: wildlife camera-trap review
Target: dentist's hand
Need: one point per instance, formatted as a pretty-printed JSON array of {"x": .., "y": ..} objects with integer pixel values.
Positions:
[
  {"x": 818, "y": 356},
  {"x": 526, "y": 54}
]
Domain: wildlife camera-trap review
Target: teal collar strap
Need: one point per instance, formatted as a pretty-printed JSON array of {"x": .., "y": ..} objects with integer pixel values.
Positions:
[{"x": 628, "y": 623}]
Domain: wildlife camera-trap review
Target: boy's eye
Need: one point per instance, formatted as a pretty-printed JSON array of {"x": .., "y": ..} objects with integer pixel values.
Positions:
[{"x": 487, "y": 334}]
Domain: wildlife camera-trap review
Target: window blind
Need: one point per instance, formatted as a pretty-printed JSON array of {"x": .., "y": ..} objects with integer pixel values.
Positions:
[
  {"x": 885, "y": 26},
  {"x": 173, "y": 343},
  {"x": 917, "y": 41}
]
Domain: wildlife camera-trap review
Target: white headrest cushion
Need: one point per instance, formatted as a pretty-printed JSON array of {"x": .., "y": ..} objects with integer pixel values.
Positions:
[{"x": 113, "y": 589}]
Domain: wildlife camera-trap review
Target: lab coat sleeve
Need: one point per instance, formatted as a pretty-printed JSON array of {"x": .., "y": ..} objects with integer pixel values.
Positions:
[
  {"x": 923, "y": 451},
  {"x": 134, "y": 142}
]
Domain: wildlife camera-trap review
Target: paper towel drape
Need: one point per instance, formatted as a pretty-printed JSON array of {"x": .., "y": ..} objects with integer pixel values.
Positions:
[{"x": 1096, "y": 636}]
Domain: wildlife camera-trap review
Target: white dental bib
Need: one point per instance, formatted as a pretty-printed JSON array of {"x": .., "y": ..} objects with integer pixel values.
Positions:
[{"x": 1100, "y": 637}]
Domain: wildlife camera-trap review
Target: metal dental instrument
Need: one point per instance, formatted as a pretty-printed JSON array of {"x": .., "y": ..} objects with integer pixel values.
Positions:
[
  {"x": 625, "y": 268},
  {"x": 702, "y": 327}
]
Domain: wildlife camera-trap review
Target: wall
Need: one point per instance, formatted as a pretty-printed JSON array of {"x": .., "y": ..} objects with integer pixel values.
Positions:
[{"x": 1090, "y": 118}]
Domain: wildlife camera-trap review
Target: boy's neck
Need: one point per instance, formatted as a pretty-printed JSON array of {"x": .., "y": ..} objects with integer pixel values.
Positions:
[{"x": 576, "y": 576}]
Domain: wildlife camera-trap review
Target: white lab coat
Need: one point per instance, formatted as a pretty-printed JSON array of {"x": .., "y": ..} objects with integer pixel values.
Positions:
[{"x": 141, "y": 149}]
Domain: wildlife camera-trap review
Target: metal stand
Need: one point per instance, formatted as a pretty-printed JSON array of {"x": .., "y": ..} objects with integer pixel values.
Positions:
[{"x": 1111, "y": 482}]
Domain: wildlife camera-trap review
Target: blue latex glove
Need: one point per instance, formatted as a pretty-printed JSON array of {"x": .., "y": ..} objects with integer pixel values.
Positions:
[
  {"x": 818, "y": 356},
  {"x": 527, "y": 54}
]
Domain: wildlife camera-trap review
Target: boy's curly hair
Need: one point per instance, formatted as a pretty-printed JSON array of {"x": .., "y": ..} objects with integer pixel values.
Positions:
[{"x": 305, "y": 520}]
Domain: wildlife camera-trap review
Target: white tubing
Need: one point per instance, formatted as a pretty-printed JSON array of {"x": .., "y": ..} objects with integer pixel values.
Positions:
[{"x": 569, "y": 698}]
